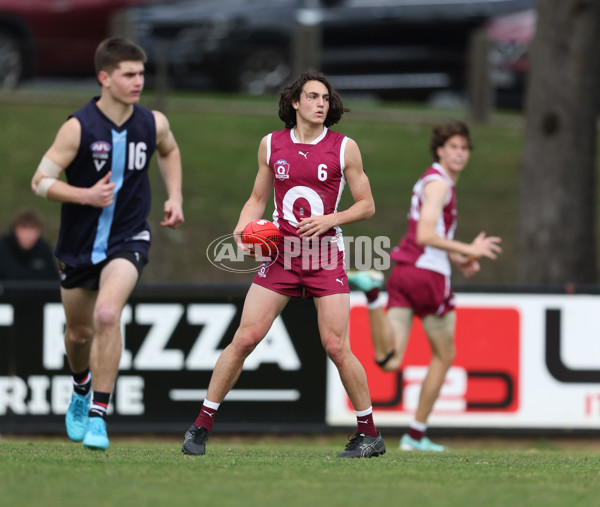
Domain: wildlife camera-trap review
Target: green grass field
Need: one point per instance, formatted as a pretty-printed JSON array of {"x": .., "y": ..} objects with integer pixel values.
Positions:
[
  {"x": 301, "y": 471},
  {"x": 219, "y": 138}
]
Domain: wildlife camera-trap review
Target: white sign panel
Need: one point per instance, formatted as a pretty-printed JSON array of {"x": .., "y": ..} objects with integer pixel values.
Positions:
[{"x": 523, "y": 361}]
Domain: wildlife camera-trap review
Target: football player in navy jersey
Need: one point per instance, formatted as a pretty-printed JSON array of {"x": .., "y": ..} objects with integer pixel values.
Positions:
[
  {"x": 307, "y": 165},
  {"x": 104, "y": 149}
]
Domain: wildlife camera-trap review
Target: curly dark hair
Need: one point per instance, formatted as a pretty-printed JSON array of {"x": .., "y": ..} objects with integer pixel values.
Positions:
[
  {"x": 441, "y": 133},
  {"x": 292, "y": 92}
]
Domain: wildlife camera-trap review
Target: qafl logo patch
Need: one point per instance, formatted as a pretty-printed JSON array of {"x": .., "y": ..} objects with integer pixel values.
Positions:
[
  {"x": 282, "y": 169},
  {"x": 264, "y": 269},
  {"x": 100, "y": 153}
]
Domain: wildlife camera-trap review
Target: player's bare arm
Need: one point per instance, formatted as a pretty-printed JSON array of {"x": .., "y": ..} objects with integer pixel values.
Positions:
[
  {"x": 56, "y": 159},
  {"x": 363, "y": 207},
  {"x": 169, "y": 164},
  {"x": 435, "y": 194},
  {"x": 257, "y": 202}
]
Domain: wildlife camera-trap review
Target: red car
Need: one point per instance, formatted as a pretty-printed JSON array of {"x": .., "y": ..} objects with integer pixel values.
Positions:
[
  {"x": 510, "y": 38},
  {"x": 53, "y": 37}
]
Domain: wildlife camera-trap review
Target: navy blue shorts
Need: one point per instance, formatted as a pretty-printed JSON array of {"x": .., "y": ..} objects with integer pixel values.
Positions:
[{"x": 88, "y": 277}]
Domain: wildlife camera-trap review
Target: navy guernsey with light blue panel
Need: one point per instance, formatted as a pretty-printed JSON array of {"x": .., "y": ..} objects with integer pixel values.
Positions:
[{"x": 89, "y": 235}]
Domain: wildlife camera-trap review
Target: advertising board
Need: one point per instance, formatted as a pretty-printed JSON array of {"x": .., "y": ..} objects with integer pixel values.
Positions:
[
  {"x": 172, "y": 339},
  {"x": 522, "y": 361}
]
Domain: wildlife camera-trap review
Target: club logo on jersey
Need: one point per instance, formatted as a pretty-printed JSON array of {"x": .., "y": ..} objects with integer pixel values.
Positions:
[
  {"x": 264, "y": 269},
  {"x": 282, "y": 169},
  {"x": 100, "y": 150},
  {"x": 100, "y": 147}
]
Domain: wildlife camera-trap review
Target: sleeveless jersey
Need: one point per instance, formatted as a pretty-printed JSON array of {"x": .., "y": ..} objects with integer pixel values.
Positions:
[
  {"x": 408, "y": 251},
  {"x": 308, "y": 178},
  {"x": 88, "y": 235}
]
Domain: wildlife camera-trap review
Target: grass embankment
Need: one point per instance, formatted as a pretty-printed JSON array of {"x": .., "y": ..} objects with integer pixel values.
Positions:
[{"x": 219, "y": 138}]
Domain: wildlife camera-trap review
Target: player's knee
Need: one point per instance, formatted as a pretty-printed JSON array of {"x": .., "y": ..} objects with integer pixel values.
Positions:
[
  {"x": 446, "y": 353},
  {"x": 244, "y": 348},
  {"x": 246, "y": 340},
  {"x": 335, "y": 350},
  {"x": 79, "y": 336},
  {"x": 106, "y": 317},
  {"x": 450, "y": 355}
]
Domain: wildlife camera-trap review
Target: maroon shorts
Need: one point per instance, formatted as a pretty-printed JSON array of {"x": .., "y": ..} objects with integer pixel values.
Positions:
[
  {"x": 423, "y": 290},
  {"x": 290, "y": 279}
]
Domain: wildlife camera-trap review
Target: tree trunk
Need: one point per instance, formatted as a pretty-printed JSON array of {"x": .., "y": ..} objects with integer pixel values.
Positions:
[{"x": 556, "y": 236}]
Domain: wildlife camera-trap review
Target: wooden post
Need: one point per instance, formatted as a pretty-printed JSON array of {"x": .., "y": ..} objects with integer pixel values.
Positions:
[
  {"x": 161, "y": 84},
  {"x": 120, "y": 24},
  {"x": 480, "y": 89},
  {"x": 306, "y": 47}
]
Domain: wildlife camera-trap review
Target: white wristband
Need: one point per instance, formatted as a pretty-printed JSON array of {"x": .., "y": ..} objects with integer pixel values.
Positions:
[
  {"x": 51, "y": 171},
  {"x": 43, "y": 186}
]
